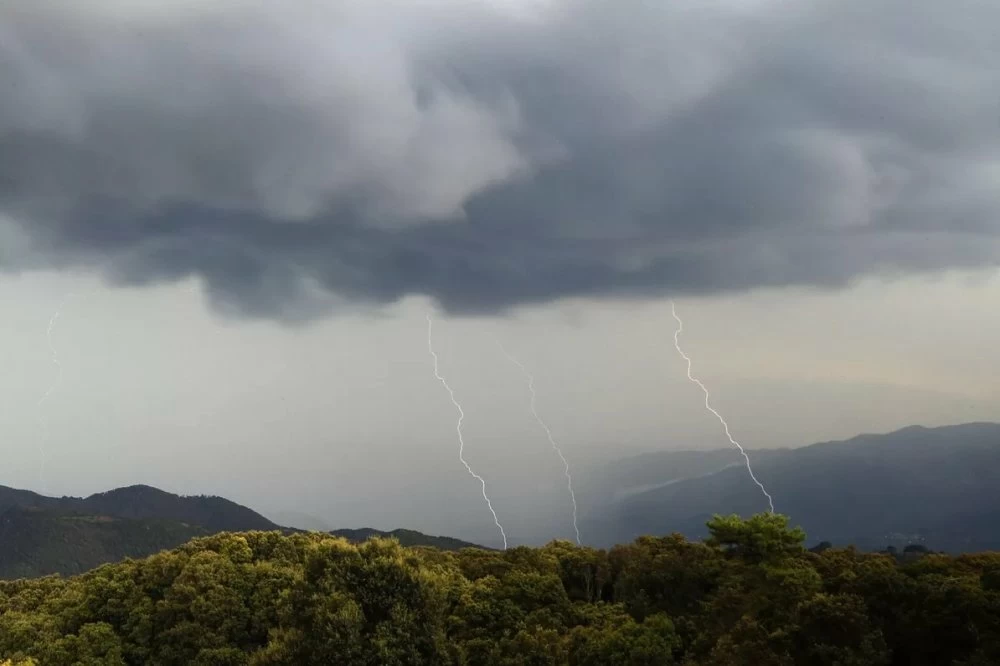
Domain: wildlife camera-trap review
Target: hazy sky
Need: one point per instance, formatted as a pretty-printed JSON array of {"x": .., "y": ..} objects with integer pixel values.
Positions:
[{"x": 256, "y": 205}]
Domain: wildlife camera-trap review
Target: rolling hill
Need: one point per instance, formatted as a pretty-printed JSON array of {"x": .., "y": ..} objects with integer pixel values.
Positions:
[
  {"x": 42, "y": 535},
  {"x": 138, "y": 502},
  {"x": 939, "y": 486},
  {"x": 935, "y": 486},
  {"x": 37, "y": 542}
]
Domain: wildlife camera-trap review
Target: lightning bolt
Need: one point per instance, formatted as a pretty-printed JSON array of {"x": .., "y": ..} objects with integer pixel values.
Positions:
[
  {"x": 458, "y": 428},
  {"x": 548, "y": 433},
  {"x": 56, "y": 381},
  {"x": 708, "y": 406}
]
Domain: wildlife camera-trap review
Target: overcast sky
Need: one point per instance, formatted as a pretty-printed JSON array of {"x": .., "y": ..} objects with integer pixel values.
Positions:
[{"x": 244, "y": 211}]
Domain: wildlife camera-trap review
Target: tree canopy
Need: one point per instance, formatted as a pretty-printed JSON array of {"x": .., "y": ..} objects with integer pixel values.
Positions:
[{"x": 749, "y": 594}]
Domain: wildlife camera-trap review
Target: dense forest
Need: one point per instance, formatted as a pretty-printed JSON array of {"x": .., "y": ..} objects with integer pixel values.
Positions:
[{"x": 749, "y": 594}]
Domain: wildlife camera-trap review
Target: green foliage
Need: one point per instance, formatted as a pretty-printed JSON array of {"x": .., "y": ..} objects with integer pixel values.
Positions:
[
  {"x": 405, "y": 538},
  {"x": 763, "y": 538},
  {"x": 750, "y": 594}
]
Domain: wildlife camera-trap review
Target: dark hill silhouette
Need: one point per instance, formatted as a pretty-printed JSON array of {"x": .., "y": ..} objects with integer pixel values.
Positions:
[
  {"x": 36, "y": 542},
  {"x": 215, "y": 514},
  {"x": 934, "y": 485},
  {"x": 42, "y": 535}
]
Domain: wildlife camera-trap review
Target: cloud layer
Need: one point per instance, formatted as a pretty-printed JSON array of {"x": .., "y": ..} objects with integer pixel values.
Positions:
[{"x": 300, "y": 155}]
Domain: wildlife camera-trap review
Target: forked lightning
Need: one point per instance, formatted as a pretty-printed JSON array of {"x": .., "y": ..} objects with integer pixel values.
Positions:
[
  {"x": 708, "y": 406},
  {"x": 458, "y": 428}
]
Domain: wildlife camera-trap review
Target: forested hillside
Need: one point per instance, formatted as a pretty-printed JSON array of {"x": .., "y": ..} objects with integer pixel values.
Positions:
[
  {"x": 42, "y": 535},
  {"x": 35, "y": 542},
  {"x": 938, "y": 486},
  {"x": 139, "y": 502},
  {"x": 751, "y": 594}
]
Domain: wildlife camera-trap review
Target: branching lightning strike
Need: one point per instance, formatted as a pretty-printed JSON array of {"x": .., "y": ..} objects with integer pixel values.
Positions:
[
  {"x": 708, "y": 406},
  {"x": 548, "y": 433},
  {"x": 458, "y": 428}
]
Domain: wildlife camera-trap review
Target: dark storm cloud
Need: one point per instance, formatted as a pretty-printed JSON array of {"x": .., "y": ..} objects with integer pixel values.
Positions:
[{"x": 306, "y": 155}]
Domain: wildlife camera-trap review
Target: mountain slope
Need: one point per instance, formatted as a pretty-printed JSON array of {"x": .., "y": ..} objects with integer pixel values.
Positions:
[
  {"x": 215, "y": 514},
  {"x": 37, "y": 542},
  {"x": 139, "y": 501},
  {"x": 42, "y": 535},
  {"x": 936, "y": 484}
]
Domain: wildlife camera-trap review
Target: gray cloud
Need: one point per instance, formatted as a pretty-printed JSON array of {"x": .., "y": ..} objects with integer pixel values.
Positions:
[{"x": 301, "y": 156}]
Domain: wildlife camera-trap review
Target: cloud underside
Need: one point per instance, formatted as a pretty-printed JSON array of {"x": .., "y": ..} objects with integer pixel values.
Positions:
[{"x": 305, "y": 155}]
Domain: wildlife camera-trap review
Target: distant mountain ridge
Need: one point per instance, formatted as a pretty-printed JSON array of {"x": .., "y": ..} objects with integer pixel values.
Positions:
[
  {"x": 934, "y": 485},
  {"x": 938, "y": 486},
  {"x": 42, "y": 535},
  {"x": 140, "y": 502},
  {"x": 215, "y": 514}
]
